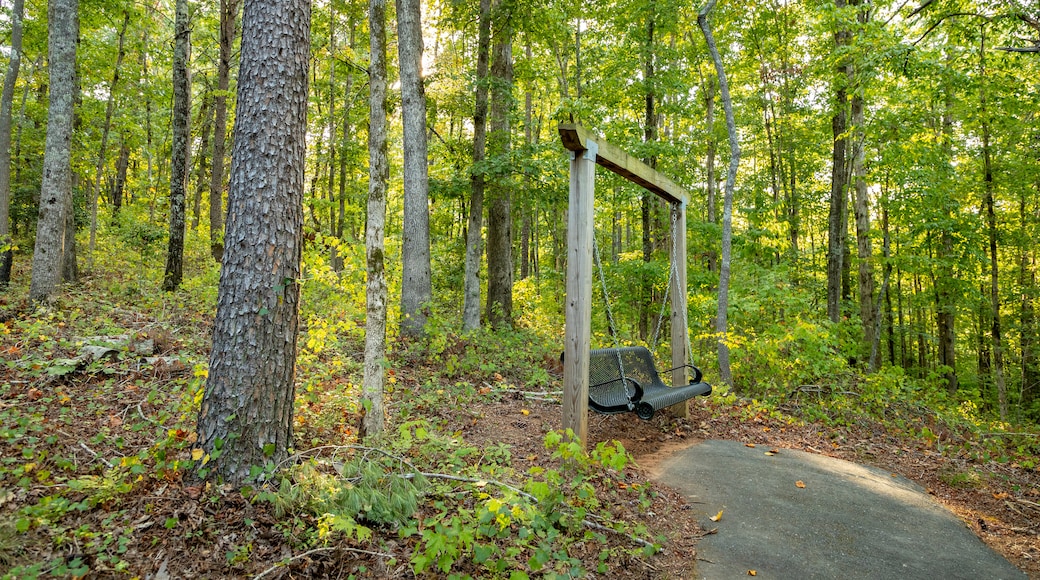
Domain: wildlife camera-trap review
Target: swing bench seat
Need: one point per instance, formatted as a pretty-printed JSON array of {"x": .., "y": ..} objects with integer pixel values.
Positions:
[{"x": 625, "y": 379}]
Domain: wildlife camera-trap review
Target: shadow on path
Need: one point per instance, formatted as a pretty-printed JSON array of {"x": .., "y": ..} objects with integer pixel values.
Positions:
[{"x": 848, "y": 521}]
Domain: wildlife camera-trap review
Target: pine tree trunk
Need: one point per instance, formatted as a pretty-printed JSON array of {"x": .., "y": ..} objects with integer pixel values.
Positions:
[
  {"x": 6, "y": 108},
  {"x": 474, "y": 227},
  {"x": 247, "y": 408},
  {"x": 500, "y": 221},
  {"x": 56, "y": 187},
  {"x": 378, "y": 175},
  {"x": 416, "y": 282},
  {"x": 228, "y": 27},
  {"x": 180, "y": 155}
]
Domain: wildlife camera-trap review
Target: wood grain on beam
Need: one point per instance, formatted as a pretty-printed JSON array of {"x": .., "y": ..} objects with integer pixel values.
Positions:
[{"x": 576, "y": 138}]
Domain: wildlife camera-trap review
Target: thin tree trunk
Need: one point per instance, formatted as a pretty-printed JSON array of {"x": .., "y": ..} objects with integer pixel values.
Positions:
[
  {"x": 838, "y": 217},
  {"x": 648, "y": 198},
  {"x": 6, "y": 107},
  {"x": 247, "y": 406},
  {"x": 991, "y": 227},
  {"x": 863, "y": 245},
  {"x": 180, "y": 154},
  {"x": 721, "y": 317},
  {"x": 228, "y": 27},
  {"x": 500, "y": 221},
  {"x": 1027, "y": 317},
  {"x": 471, "y": 285},
  {"x": 416, "y": 281},
  {"x": 710, "y": 179},
  {"x": 56, "y": 186},
  {"x": 122, "y": 164},
  {"x": 102, "y": 150},
  {"x": 202, "y": 169},
  {"x": 378, "y": 175}
]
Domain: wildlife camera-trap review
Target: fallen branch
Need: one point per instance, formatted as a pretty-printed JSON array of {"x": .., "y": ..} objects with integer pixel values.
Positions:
[
  {"x": 999, "y": 434},
  {"x": 95, "y": 454},
  {"x": 288, "y": 561}
]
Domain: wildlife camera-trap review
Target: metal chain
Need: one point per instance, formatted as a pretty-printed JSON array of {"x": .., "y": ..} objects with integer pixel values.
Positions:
[{"x": 612, "y": 326}]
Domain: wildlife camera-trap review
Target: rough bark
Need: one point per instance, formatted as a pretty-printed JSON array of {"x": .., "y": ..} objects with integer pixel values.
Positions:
[
  {"x": 179, "y": 155},
  {"x": 416, "y": 281},
  {"x": 838, "y": 217},
  {"x": 103, "y": 148},
  {"x": 500, "y": 221},
  {"x": 946, "y": 308},
  {"x": 247, "y": 408},
  {"x": 56, "y": 186},
  {"x": 6, "y": 108},
  {"x": 228, "y": 27},
  {"x": 861, "y": 211},
  {"x": 378, "y": 175},
  {"x": 122, "y": 164},
  {"x": 474, "y": 227},
  {"x": 202, "y": 166},
  {"x": 722, "y": 312}
]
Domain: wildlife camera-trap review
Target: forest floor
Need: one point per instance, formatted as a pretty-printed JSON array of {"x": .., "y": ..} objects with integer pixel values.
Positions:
[{"x": 95, "y": 451}]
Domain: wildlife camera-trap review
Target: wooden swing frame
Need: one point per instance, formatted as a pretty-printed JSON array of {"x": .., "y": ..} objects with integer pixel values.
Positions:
[{"x": 588, "y": 150}]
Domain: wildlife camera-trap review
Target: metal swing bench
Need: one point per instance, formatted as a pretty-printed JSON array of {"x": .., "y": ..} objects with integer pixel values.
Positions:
[{"x": 625, "y": 379}]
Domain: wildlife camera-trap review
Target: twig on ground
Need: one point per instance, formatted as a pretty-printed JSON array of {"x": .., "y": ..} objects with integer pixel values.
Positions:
[
  {"x": 95, "y": 454},
  {"x": 288, "y": 561}
]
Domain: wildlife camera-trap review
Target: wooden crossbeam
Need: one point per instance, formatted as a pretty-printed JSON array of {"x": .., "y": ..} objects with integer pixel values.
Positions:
[{"x": 576, "y": 138}]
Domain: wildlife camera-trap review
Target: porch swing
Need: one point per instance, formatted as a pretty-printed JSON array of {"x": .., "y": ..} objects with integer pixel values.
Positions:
[{"x": 625, "y": 378}]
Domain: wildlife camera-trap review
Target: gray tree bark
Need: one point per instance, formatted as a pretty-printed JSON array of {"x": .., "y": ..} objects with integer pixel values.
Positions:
[
  {"x": 475, "y": 225},
  {"x": 228, "y": 27},
  {"x": 102, "y": 149},
  {"x": 56, "y": 185},
  {"x": 378, "y": 174},
  {"x": 247, "y": 407},
  {"x": 861, "y": 211},
  {"x": 838, "y": 217},
  {"x": 500, "y": 221},
  {"x": 180, "y": 154},
  {"x": 721, "y": 315},
  {"x": 6, "y": 108},
  {"x": 202, "y": 169},
  {"x": 416, "y": 283}
]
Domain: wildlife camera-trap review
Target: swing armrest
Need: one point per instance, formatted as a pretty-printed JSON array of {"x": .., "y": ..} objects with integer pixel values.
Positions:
[{"x": 697, "y": 375}]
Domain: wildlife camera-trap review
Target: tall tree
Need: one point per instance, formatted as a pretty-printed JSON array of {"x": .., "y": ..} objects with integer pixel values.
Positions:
[
  {"x": 500, "y": 220},
  {"x": 861, "y": 206},
  {"x": 378, "y": 175},
  {"x": 56, "y": 186},
  {"x": 228, "y": 26},
  {"x": 722, "y": 311},
  {"x": 180, "y": 154},
  {"x": 416, "y": 282},
  {"x": 6, "y": 107},
  {"x": 102, "y": 149},
  {"x": 838, "y": 217},
  {"x": 247, "y": 407},
  {"x": 475, "y": 224}
]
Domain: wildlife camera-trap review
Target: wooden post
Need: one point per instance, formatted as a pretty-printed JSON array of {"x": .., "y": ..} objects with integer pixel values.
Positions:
[
  {"x": 680, "y": 376},
  {"x": 578, "y": 306}
]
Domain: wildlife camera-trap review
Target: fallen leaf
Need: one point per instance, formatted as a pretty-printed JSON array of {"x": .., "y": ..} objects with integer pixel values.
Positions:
[
  {"x": 525, "y": 411},
  {"x": 770, "y": 453},
  {"x": 480, "y": 484},
  {"x": 752, "y": 573},
  {"x": 766, "y": 429},
  {"x": 499, "y": 377},
  {"x": 799, "y": 484},
  {"x": 1003, "y": 495},
  {"x": 717, "y": 516},
  {"x": 749, "y": 445},
  {"x": 196, "y": 454},
  {"x": 774, "y": 451}
]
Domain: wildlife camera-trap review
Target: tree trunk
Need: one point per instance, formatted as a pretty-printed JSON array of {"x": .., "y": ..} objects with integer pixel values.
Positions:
[
  {"x": 500, "y": 221},
  {"x": 709, "y": 163},
  {"x": 228, "y": 20},
  {"x": 247, "y": 408},
  {"x": 378, "y": 175},
  {"x": 122, "y": 164},
  {"x": 721, "y": 320},
  {"x": 416, "y": 282},
  {"x": 6, "y": 108},
  {"x": 838, "y": 216},
  {"x": 471, "y": 285},
  {"x": 56, "y": 186},
  {"x": 201, "y": 170},
  {"x": 102, "y": 149},
  {"x": 861, "y": 211},
  {"x": 1027, "y": 316},
  {"x": 180, "y": 150}
]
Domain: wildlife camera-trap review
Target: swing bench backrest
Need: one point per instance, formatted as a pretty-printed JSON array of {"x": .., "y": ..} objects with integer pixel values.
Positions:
[{"x": 625, "y": 379}]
